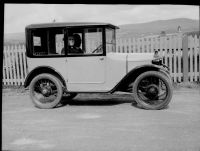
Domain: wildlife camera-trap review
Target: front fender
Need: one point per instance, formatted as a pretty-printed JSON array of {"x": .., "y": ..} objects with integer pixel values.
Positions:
[
  {"x": 165, "y": 70},
  {"x": 134, "y": 73},
  {"x": 162, "y": 68}
]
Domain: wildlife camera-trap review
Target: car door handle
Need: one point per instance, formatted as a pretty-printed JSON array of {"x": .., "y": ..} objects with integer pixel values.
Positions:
[{"x": 101, "y": 58}]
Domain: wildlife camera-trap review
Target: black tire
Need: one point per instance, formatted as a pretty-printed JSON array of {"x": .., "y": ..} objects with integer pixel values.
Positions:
[
  {"x": 46, "y": 83},
  {"x": 147, "y": 95}
]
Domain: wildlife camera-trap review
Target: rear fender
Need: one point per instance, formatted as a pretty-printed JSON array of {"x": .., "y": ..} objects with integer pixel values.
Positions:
[{"x": 40, "y": 70}]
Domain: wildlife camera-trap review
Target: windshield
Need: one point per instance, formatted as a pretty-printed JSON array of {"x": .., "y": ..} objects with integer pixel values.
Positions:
[{"x": 110, "y": 40}]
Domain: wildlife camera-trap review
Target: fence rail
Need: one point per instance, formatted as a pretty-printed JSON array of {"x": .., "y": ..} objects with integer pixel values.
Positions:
[{"x": 181, "y": 56}]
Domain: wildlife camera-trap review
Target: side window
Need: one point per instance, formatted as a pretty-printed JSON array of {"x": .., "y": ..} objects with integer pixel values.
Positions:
[
  {"x": 93, "y": 41},
  {"x": 86, "y": 41},
  {"x": 75, "y": 42},
  {"x": 39, "y": 43},
  {"x": 60, "y": 43},
  {"x": 55, "y": 42},
  {"x": 48, "y": 42}
]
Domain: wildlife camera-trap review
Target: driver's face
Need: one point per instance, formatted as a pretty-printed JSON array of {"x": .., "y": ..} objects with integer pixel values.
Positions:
[{"x": 70, "y": 41}]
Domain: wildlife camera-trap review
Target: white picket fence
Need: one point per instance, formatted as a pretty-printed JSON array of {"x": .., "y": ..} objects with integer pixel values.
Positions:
[
  {"x": 170, "y": 47},
  {"x": 14, "y": 65}
]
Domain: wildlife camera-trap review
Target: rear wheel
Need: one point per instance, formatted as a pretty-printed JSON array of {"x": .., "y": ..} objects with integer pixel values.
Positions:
[
  {"x": 46, "y": 91},
  {"x": 152, "y": 90}
]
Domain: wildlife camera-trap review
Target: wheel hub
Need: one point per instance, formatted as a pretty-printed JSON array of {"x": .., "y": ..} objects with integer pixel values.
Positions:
[
  {"x": 152, "y": 90},
  {"x": 46, "y": 91}
]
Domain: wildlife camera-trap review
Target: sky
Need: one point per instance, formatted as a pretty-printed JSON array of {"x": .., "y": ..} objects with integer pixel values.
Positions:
[{"x": 17, "y": 16}]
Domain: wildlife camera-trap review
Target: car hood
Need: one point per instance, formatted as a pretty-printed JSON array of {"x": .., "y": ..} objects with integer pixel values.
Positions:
[
  {"x": 132, "y": 60},
  {"x": 138, "y": 57}
]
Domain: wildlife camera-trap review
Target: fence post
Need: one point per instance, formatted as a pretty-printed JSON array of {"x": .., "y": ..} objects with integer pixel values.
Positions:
[
  {"x": 185, "y": 58},
  {"x": 199, "y": 57}
]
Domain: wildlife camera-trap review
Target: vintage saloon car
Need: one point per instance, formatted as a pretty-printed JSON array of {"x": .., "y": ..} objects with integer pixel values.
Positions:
[{"x": 88, "y": 62}]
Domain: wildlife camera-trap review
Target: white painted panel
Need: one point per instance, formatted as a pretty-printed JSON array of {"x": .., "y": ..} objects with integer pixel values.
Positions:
[
  {"x": 87, "y": 69},
  {"x": 58, "y": 64}
]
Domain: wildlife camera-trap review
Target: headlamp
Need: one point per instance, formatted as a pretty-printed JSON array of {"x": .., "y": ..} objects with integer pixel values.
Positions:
[{"x": 157, "y": 59}]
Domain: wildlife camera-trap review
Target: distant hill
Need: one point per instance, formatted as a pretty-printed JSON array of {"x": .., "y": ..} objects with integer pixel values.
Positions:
[
  {"x": 14, "y": 38},
  {"x": 132, "y": 30},
  {"x": 155, "y": 27}
]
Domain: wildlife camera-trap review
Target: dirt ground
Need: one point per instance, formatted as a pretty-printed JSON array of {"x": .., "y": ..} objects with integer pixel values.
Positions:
[{"x": 94, "y": 122}]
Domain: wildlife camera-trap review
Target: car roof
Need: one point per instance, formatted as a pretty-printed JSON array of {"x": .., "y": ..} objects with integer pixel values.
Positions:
[{"x": 69, "y": 24}]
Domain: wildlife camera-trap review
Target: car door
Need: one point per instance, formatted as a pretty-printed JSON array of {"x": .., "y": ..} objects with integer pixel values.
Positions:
[{"x": 87, "y": 67}]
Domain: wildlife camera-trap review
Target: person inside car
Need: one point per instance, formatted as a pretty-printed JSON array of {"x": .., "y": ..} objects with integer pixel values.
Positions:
[{"x": 74, "y": 43}]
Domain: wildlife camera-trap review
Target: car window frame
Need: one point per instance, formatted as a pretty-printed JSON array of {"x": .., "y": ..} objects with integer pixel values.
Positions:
[{"x": 29, "y": 42}]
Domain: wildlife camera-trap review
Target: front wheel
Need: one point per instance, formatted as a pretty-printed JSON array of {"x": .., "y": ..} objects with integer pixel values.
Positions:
[
  {"x": 46, "y": 91},
  {"x": 152, "y": 90}
]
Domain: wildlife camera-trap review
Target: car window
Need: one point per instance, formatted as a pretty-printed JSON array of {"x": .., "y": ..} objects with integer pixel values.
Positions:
[
  {"x": 86, "y": 41},
  {"x": 48, "y": 42},
  {"x": 39, "y": 44},
  {"x": 93, "y": 41},
  {"x": 60, "y": 43},
  {"x": 75, "y": 42}
]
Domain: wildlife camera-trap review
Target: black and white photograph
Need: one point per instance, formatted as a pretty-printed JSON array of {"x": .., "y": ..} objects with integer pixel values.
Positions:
[{"x": 100, "y": 77}]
